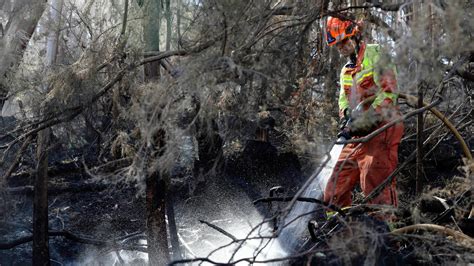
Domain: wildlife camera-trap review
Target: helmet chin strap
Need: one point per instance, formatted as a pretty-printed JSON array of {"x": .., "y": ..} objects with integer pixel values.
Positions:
[{"x": 353, "y": 56}]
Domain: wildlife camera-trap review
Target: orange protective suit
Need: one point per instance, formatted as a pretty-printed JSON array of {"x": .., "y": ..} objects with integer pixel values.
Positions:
[
  {"x": 369, "y": 164},
  {"x": 372, "y": 162}
]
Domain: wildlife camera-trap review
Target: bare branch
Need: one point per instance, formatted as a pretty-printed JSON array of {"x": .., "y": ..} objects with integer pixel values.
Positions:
[
  {"x": 220, "y": 230},
  {"x": 15, "y": 162},
  {"x": 391, "y": 123},
  {"x": 76, "y": 238},
  {"x": 302, "y": 199},
  {"x": 459, "y": 236}
]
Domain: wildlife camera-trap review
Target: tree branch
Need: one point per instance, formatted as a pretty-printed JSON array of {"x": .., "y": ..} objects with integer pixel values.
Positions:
[
  {"x": 17, "y": 159},
  {"x": 58, "y": 189},
  {"x": 391, "y": 123},
  {"x": 76, "y": 238},
  {"x": 302, "y": 199},
  {"x": 460, "y": 237},
  {"x": 379, "y": 22},
  {"x": 220, "y": 230}
]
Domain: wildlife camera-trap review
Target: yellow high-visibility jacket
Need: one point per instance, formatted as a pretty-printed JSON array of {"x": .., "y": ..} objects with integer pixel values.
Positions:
[{"x": 366, "y": 78}]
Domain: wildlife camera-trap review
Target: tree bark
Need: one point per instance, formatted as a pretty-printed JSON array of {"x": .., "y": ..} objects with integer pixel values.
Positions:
[
  {"x": 178, "y": 22},
  {"x": 173, "y": 230},
  {"x": 53, "y": 36},
  {"x": 419, "y": 145},
  {"x": 156, "y": 193},
  {"x": 169, "y": 21},
  {"x": 40, "y": 203},
  {"x": 18, "y": 31},
  {"x": 156, "y": 187},
  {"x": 40, "y": 200},
  {"x": 152, "y": 23}
]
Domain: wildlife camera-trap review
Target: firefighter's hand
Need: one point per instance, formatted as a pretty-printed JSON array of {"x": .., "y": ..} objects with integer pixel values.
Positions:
[
  {"x": 345, "y": 119},
  {"x": 345, "y": 133},
  {"x": 363, "y": 123}
]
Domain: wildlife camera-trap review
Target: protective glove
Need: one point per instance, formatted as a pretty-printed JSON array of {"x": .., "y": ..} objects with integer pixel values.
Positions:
[
  {"x": 345, "y": 119},
  {"x": 345, "y": 133},
  {"x": 364, "y": 122},
  {"x": 344, "y": 123}
]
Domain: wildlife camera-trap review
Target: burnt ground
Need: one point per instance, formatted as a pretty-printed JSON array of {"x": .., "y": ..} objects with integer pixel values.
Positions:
[
  {"x": 96, "y": 211},
  {"x": 101, "y": 211},
  {"x": 77, "y": 204}
]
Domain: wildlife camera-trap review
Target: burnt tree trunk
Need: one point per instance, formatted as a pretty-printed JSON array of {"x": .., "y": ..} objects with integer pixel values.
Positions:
[
  {"x": 419, "y": 145},
  {"x": 152, "y": 22},
  {"x": 152, "y": 71},
  {"x": 156, "y": 186},
  {"x": 173, "y": 230},
  {"x": 156, "y": 193},
  {"x": 40, "y": 203},
  {"x": 40, "y": 200}
]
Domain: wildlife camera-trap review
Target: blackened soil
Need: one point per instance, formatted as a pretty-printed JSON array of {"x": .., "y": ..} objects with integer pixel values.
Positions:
[{"x": 105, "y": 213}]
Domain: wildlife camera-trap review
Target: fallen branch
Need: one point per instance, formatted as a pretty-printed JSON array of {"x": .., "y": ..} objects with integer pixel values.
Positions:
[
  {"x": 462, "y": 239},
  {"x": 112, "y": 165},
  {"x": 59, "y": 189},
  {"x": 457, "y": 126},
  {"x": 302, "y": 199},
  {"x": 74, "y": 167},
  {"x": 181, "y": 52},
  {"x": 16, "y": 242},
  {"x": 16, "y": 161},
  {"x": 131, "y": 236},
  {"x": 67, "y": 168},
  {"x": 73, "y": 237},
  {"x": 220, "y": 230}
]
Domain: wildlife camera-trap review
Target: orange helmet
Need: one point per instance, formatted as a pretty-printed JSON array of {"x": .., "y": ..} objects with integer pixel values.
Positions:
[{"x": 338, "y": 30}]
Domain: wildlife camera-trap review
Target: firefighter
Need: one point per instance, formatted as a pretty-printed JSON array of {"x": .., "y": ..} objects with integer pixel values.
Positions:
[{"x": 365, "y": 75}]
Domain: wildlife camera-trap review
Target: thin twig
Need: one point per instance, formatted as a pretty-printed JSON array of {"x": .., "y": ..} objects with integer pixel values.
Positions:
[
  {"x": 459, "y": 236},
  {"x": 124, "y": 22},
  {"x": 220, "y": 230},
  {"x": 73, "y": 237},
  {"x": 17, "y": 158},
  {"x": 302, "y": 199},
  {"x": 447, "y": 133}
]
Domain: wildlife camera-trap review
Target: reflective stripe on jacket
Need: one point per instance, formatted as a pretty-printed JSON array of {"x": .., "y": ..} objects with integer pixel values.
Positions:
[{"x": 366, "y": 78}]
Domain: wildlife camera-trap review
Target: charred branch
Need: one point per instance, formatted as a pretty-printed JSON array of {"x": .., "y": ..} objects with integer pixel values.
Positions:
[
  {"x": 75, "y": 167},
  {"x": 282, "y": 11},
  {"x": 460, "y": 237},
  {"x": 59, "y": 189},
  {"x": 301, "y": 199},
  {"x": 17, "y": 159},
  {"x": 465, "y": 74},
  {"x": 79, "y": 239},
  {"x": 220, "y": 230}
]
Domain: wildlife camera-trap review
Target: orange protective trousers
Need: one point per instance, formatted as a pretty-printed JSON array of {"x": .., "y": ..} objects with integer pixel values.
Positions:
[{"x": 370, "y": 164}]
